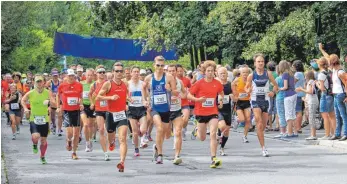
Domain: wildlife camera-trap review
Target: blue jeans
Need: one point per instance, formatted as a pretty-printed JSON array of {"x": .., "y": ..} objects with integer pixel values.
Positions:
[
  {"x": 281, "y": 113},
  {"x": 340, "y": 112}
]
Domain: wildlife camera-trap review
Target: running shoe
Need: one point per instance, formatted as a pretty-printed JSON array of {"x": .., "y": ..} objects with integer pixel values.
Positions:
[
  {"x": 87, "y": 147},
  {"x": 221, "y": 152},
  {"x": 112, "y": 146},
  {"x": 94, "y": 138},
  {"x": 120, "y": 166},
  {"x": 43, "y": 160},
  {"x": 242, "y": 125},
  {"x": 106, "y": 157},
  {"x": 177, "y": 160},
  {"x": 74, "y": 156},
  {"x": 149, "y": 138},
  {"x": 80, "y": 139},
  {"x": 311, "y": 138},
  {"x": 69, "y": 145},
  {"x": 136, "y": 154},
  {"x": 59, "y": 133},
  {"x": 265, "y": 153},
  {"x": 325, "y": 138},
  {"x": 35, "y": 150},
  {"x": 145, "y": 139},
  {"x": 14, "y": 137},
  {"x": 278, "y": 136},
  {"x": 216, "y": 163},
  {"x": 53, "y": 131},
  {"x": 18, "y": 129},
  {"x": 160, "y": 159},
  {"x": 155, "y": 152},
  {"x": 245, "y": 140},
  {"x": 143, "y": 145}
]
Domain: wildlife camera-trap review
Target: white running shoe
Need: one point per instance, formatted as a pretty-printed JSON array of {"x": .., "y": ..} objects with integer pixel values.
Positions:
[
  {"x": 245, "y": 140},
  {"x": 106, "y": 158},
  {"x": 265, "y": 153},
  {"x": 87, "y": 147}
]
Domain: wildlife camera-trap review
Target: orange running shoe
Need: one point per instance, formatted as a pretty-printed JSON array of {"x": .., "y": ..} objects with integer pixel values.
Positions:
[
  {"x": 112, "y": 146},
  {"x": 120, "y": 166}
]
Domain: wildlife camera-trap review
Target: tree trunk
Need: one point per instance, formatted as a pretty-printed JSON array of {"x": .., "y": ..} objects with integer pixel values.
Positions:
[
  {"x": 202, "y": 53},
  {"x": 219, "y": 56},
  {"x": 191, "y": 55},
  {"x": 196, "y": 57}
]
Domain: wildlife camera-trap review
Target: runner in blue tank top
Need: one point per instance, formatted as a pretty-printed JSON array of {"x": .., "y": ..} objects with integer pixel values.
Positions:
[
  {"x": 258, "y": 85},
  {"x": 161, "y": 86}
]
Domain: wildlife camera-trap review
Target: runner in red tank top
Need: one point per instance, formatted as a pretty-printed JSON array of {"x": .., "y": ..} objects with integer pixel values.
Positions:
[
  {"x": 70, "y": 93},
  {"x": 100, "y": 107},
  {"x": 185, "y": 102},
  {"x": 115, "y": 92}
]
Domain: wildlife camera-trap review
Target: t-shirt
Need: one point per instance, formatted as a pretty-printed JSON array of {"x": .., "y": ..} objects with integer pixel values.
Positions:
[
  {"x": 291, "y": 86},
  {"x": 70, "y": 95},
  {"x": 323, "y": 77},
  {"x": 300, "y": 83},
  {"x": 274, "y": 74},
  {"x": 230, "y": 76},
  {"x": 337, "y": 85},
  {"x": 209, "y": 90},
  {"x": 187, "y": 85},
  {"x": 311, "y": 98},
  {"x": 4, "y": 89},
  {"x": 280, "y": 95}
]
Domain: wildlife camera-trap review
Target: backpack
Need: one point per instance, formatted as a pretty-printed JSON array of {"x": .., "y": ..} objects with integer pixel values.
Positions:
[{"x": 330, "y": 82}]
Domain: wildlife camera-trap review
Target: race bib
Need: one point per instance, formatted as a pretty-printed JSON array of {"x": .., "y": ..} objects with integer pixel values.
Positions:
[
  {"x": 72, "y": 101},
  {"x": 14, "y": 106},
  {"x": 40, "y": 120},
  {"x": 85, "y": 94},
  {"x": 175, "y": 104},
  {"x": 118, "y": 116},
  {"x": 261, "y": 90},
  {"x": 103, "y": 103},
  {"x": 243, "y": 95},
  {"x": 208, "y": 103},
  {"x": 160, "y": 99},
  {"x": 137, "y": 101},
  {"x": 226, "y": 99}
]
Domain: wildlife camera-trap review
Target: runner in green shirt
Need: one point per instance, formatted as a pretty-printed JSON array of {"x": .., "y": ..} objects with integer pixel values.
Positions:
[{"x": 39, "y": 99}]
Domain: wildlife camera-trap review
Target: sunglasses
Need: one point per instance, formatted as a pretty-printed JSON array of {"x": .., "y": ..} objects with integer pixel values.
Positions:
[
  {"x": 158, "y": 65},
  {"x": 118, "y": 71},
  {"x": 101, "y": 72}
]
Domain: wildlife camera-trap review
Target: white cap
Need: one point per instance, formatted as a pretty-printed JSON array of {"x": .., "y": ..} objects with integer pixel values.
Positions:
[
  {"x": 70, "y": 72},
  {"x": 142, "y": 71},
  {"x": 166, "y": 67},
  {"x": 80, "y": 69}
]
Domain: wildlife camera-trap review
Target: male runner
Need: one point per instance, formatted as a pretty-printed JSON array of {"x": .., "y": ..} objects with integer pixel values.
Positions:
[
  {"x": 87, "y": 115},
  {"x": 115, "y": 92},
  {"x": 137, "y": 111},
  {"x": 258, "y": 85},
  {"x": 160, "y": 85},
  {"x": 70, "y": 93},
  {"x": 206, "y": 111},
  {"x": 38, "y": 99}
]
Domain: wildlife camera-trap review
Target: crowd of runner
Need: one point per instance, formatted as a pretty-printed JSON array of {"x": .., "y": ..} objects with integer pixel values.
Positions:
[{"x": 104, "y": 101}]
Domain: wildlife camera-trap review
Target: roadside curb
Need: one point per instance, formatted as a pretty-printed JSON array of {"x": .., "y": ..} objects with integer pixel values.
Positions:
[{"x": 327, "y": 143}]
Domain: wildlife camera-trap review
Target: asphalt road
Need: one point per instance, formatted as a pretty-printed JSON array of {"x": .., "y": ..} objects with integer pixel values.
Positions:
[{"x": 289, "y": 163}]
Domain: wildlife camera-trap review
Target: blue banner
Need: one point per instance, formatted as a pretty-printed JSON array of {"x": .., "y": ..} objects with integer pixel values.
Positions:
[{"x": 105, "y": 48}]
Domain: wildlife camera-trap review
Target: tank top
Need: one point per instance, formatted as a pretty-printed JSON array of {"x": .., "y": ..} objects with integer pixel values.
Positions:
[
  {"x": 119, "y": 104},
  {"x": 226, "y": 100},
  {"x": 38, "y": 109},
  {"x": 54, "y": 88},
  {"x": 260, "y": 84},
  {"x": 176, "y": 101},
  {"x": 100, "y": 105},
  {"x": 240, "y": 88},
  {"x": 135, "y": 93},
  {"x": 86, "y": 89},
  {"x": 159, "y": 95},
  {"x": 15, "y": 104}
]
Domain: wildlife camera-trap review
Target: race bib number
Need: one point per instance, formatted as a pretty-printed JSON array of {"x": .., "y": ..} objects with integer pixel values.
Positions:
[
  {"x": 261, "y": 90},
  {"x": 243, "y": 95},
  {"x": 160, "y": 99},
  {"x": 85, "y": 94},
  {"x": 14, "y": 106},
  {"x": 103, "y": 103},
  {"x": 208, "y": 103},
  {"x": 137, "y": 101},
  {"x": 118, "y": 116},
  {"x": 175, "y": 104},
  {"x": 226, "y": 99},
  {"x": 72, "y": 101},
  {"x": 40, "y": 120}
]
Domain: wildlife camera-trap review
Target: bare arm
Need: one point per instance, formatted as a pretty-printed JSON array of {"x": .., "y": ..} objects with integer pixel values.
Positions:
[
  {"x": 104, "y": 89},
  {"x": 325, "y": 54},
  {"x": 184, "y": 91},
  {"x": 248, "y": 87},
  {"x": 273, "y": 81},
  {"x": 145, "y": 89},
  {"x": 24, "y": 100}
]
